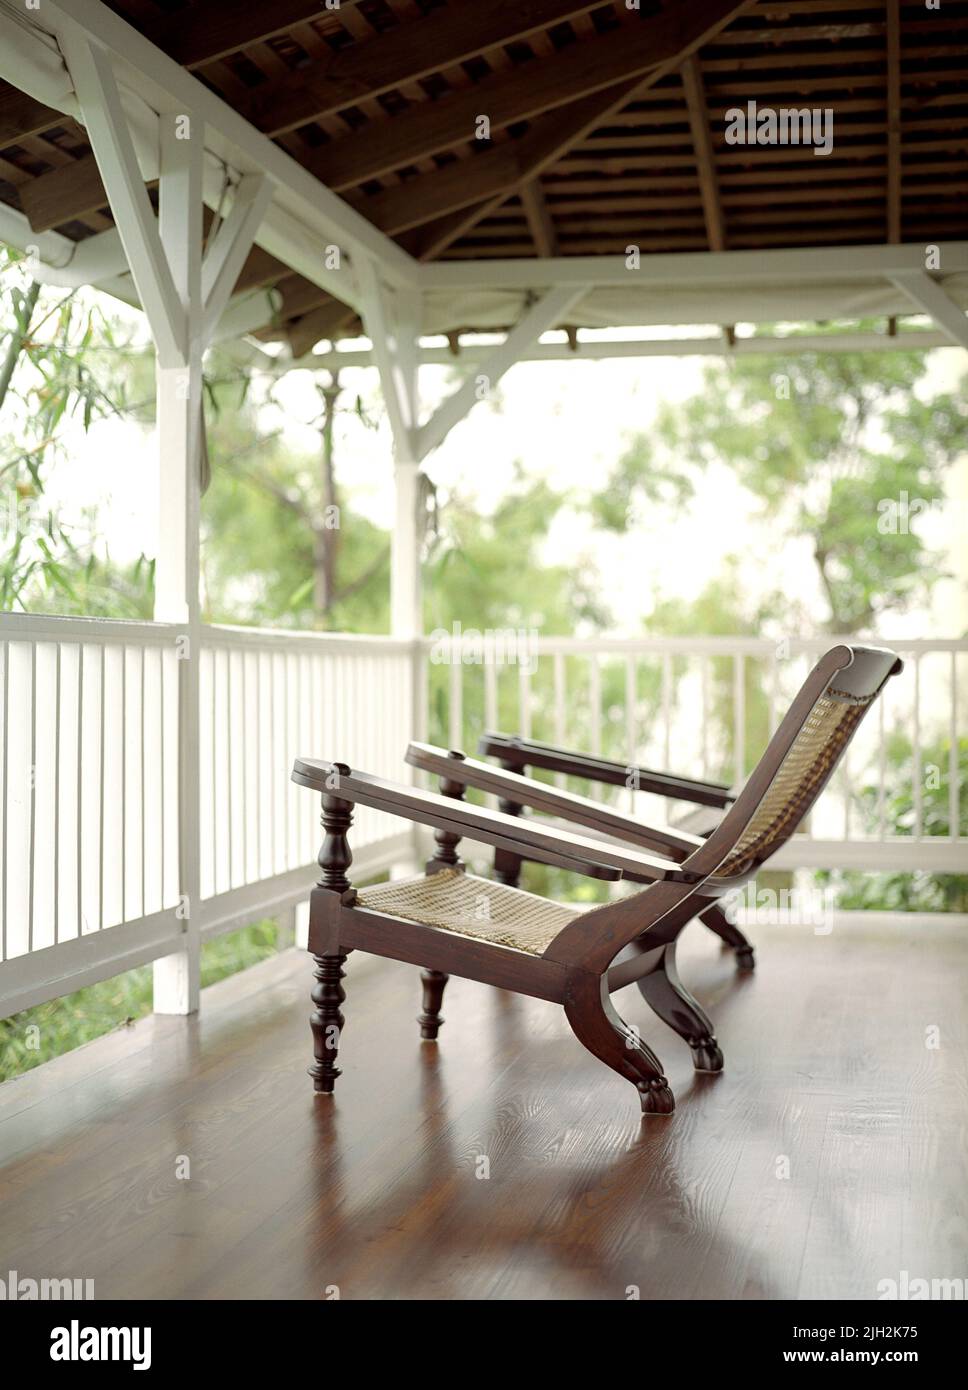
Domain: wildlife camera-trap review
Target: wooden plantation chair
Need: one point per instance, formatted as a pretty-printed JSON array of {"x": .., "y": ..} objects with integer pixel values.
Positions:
[
  {"x": 450, "y": 922},
  {"x": 709, "y": 800}
]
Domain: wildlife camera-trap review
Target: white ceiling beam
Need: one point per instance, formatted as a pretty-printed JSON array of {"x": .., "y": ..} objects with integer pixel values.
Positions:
[
  {"x": 916, "y": 339},
  {"x": 154, "y": 78},
  {"x": 93, "y": 77},
  {"x": 233, "y": 242},
  {"x": 391, "y": 357},
  {"x": 692, "y": 268},
  {"x": 539, "y": 318},
  {"x": 928, "y": 295}
]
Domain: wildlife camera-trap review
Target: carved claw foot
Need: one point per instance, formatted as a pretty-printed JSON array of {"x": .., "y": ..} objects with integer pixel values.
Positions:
[
  {"x": 656, "y": 1097},
  {"x": 706, "y": 1053}
]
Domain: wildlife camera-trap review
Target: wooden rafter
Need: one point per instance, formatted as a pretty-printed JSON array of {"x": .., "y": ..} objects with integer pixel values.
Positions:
[
  {"x": 20, "y": 115},
  {"x": 404, "y": 54},
  {"x": 674, "y": 35},
  {"x": 331, "y": 320},
  {"x": 702, "y": 145},
  {"x": 360, "y": 71},
  {"x": 63, "y": 194},
  {"x": 520, "y": 93},
  {"x": 539, "y": 219},
  {"x": 893, "y": 121},
  {"x": 201, "y": 33}
]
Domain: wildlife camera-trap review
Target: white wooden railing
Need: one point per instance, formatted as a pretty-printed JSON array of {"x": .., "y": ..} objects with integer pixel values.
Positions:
[
  {"x": 93, "y": 822},
  {"x": 91, "y": 817},
  {"x": 683, "y": 704}
]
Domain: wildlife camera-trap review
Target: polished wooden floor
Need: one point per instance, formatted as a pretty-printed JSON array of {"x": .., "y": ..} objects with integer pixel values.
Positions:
[{"x": 505, "y": 1162}]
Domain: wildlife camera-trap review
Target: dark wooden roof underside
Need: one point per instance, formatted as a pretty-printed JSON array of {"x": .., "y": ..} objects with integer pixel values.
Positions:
[{"x": 591, "y": 148}]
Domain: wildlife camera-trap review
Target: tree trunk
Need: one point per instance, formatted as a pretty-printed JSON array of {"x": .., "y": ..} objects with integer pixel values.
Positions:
[{"x": 326, "y": 529}]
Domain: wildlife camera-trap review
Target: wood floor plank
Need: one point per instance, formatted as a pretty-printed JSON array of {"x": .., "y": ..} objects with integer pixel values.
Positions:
[{"x": 505, "y": 1162}]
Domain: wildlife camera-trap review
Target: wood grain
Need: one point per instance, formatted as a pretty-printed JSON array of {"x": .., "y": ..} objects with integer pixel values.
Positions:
[{"x": 377, "y": 1190}]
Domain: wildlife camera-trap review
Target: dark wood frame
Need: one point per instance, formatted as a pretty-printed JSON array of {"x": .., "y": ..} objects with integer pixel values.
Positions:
[
  {"x": 625, "y": 941},
  {"x": 516, "y": 754}
]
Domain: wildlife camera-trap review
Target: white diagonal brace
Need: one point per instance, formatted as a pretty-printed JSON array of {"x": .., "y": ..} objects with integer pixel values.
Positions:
[
  {"x": 928, "y": 295},
  {"x": 389, "y": 354},
  {"x": 107, "y": 126},
  {"x": 548, "y": 311},
  {"x": 233, "y": 242}
]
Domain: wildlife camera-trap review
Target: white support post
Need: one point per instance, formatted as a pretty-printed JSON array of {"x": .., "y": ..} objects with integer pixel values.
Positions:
[
  {"x": 928, "y": 295},
  {"x": 548, "y": 311},
  {"x": 165, "y": 257},
  {"x": 393, "y": 325},
  {"x": 179, "y": 405}
]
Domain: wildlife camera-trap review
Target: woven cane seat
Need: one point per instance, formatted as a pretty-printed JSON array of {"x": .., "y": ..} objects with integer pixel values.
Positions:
[
  {"x": 802, "y": 774},
  {"x": 460, "y": 902}
]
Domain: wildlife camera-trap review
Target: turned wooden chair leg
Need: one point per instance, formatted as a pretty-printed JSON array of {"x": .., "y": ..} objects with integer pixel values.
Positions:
[
  {"x": 327, "y": 1021},
  {"x": 433, "y": 996},
  {"x": 666, "y": 995},
  {"x": 507, "y": 866},
  {"x": 716, "y": 920},
  {"x": 598, "y": 1027}
]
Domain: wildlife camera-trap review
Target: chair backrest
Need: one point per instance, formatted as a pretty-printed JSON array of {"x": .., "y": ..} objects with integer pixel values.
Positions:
[{"x": 798, "y": 761}]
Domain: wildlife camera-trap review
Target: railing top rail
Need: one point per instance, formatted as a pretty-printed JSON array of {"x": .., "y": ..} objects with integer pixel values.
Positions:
[
  {"x": 48, "y": 627},
  {"x": 717, "y": 646},
  {"x": 51, "y": 627},
  {"x": 292, "y": 639}
]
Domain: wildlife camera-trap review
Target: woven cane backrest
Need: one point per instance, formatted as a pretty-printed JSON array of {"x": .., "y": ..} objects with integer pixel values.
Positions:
[
  {"x": 799, "y": 760},
  {"x": 802, "y": 776}
]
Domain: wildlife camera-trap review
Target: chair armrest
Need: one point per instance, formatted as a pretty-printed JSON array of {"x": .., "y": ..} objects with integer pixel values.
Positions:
[
  {"x": 522, "y": 753},
  {"x": 526, "y": 791},
  {"x": 545, "y": 844}
]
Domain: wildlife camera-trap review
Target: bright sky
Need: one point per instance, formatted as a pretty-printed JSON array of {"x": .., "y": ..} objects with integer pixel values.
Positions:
[{"x": 566, "y": 421}]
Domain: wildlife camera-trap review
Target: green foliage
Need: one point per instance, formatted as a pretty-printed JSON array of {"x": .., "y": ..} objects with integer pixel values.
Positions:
[
  {"x": 919, "y": 891},
  {"x": 42, "y": 1033},
  {"x": 66, "y": 362},
  {"x": 823, "y": 441},
  {"x": 640, "y": 479},
  {"x": 257, "y": 530}
]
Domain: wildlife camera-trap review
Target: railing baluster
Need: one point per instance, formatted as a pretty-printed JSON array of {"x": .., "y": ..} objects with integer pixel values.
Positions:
[
  {"x": 739, "y": 719},
  {"x": 3, "y": 800},
  {"x": 954, "y": 771},
  {"x": 667, "y": 709},
  {"x": 32, "y": 788},
  {"x": 100, "y": 884},
  {"x": 881, "y": 769},
  {"x": 162, "y": 837},
  {"x": 455, "y": 699},
  {"x": 631, "y": 732},
  {"x": 80, "y": 789},
  {"x": 595, "y": 702},
  {"x": 918, "y": 789},
  {"x": 57, "y": 806},
  {"x": 559, "y": 676},
  {"x": 704, "y": 664},
  {"x": 490, "y": 694},
  {"x": 524, "y": 700},
  {"x": 124, "y": 784},
  {"x": 144, "y": 796},
  {"x": 215, "y": 733}
]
